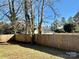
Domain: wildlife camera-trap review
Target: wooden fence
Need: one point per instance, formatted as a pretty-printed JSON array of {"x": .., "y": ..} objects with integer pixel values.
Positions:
[
  {"x": 23, "y": 38},
  {"x": 5, "y": 38},
  {"x": 67, "y": 41}
]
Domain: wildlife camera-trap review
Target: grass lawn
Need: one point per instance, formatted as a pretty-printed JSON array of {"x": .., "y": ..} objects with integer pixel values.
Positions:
[{"x": 28, "y": 51}]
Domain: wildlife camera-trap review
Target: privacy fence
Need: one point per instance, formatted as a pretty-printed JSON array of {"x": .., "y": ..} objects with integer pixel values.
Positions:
[
  {"x": 66, "y": 41},
  {"x": 5, "y": 38}
]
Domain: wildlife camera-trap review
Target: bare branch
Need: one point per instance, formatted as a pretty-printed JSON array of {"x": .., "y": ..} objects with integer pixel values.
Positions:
[
  {"x": 19, "y": 8},
  {"x": 4, "y": 15},
  {"x": 54, "y": 11},
  {"x": 3, "y": 5}
]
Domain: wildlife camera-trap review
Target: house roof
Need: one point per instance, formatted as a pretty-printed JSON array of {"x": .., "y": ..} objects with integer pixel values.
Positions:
[{"x": 76, "y": 17}]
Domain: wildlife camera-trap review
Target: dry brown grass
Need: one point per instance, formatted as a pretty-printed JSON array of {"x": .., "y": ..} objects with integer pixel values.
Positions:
[{"x": 28, "y": 51}]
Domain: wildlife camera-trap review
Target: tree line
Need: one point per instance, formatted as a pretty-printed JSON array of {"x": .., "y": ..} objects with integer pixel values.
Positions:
[
  {"x": 69, "y": 25},
  {"x": 29, "y": 11}
]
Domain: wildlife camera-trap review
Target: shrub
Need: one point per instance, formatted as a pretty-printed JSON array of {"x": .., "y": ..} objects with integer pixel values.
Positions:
[{"x": 69, "y": 28}]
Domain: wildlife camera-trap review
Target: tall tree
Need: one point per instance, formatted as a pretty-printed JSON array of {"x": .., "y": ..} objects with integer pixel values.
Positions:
[
  {"x": 71, "y": 20},
  {"x": 27, "y": 17},
  {"x": 31, "y": 10},
  {"x": 41, "y": 20},
  {"x": 42, "y": 5},
  {"x": 63, "y": 20},
  {"x": 12, "y": 12},
  {"x": 32, "y": 16}
]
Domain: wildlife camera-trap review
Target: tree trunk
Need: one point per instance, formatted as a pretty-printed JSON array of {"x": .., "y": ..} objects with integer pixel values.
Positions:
[
  {"x": 12, "y": 16},
  {"x": 41, "y": 20},
  {"x": 26, "y": 15}
]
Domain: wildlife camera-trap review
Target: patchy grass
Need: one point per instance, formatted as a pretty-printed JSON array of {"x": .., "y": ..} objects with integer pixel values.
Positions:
[{"x": 28, "y": 51}]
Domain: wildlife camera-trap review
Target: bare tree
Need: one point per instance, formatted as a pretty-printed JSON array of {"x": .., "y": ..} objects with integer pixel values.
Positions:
[
  {"x": 42, "y": 4},
  {"x": 41, "y": 20},
  {"x": 31, "y": 10},
  {"x": 12, "y": 11},
  {"x": 27, "y": 17},
  {"x": 32, "y": 16}
]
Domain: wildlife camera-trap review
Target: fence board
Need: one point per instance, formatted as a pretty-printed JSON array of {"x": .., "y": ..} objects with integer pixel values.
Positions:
[
  {"x": 23, "y": 38},
  {"x": 5, "y": 38}
]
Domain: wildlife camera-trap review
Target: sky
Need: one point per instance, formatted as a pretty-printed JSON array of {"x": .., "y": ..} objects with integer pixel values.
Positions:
[
  {"x": 65, "y": 8},
  {"x": 68, "y": 8}
]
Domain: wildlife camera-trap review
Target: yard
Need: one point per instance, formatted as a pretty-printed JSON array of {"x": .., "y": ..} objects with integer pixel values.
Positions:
[{"x": 28, "y": 51}]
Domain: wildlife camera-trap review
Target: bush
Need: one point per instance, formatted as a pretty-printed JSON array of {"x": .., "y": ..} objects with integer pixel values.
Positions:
[
  {"x": 69, "y": 28},
  {"x": 59, "y": 31},
  {"x": 8, "y": 31}
]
